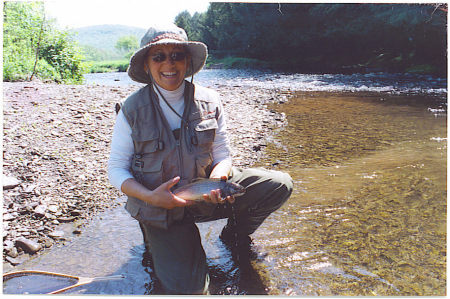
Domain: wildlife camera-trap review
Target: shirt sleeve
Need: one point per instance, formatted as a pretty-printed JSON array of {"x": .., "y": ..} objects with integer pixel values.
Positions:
[
  {"x": 122, "y": 150},
  {"x": 221, "y": 145}
]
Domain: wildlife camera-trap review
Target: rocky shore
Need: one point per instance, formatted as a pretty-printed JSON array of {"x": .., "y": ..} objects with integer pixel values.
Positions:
[{"x": 55, "y": 150}]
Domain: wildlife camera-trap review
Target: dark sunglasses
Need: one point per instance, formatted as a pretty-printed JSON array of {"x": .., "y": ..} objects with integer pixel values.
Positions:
[{"x": 174, "y": 56}]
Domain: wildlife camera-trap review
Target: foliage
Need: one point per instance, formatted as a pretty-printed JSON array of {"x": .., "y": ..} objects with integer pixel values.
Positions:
[
  {"x": 33, "y": 46},
  {"x": 108, "y": 66},
  {"x": 232, "y": 62},
  {"x": 127, "y": 44},
  {"x": 99, "y": 42},
  {"x": 325, "y": 37}
]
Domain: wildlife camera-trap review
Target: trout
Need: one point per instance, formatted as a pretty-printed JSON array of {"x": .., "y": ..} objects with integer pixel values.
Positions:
[{"x": 195, "y": 190}]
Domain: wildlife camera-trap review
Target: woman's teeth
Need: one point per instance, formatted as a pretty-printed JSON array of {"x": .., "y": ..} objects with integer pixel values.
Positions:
[{"x": 168, "y": 74}]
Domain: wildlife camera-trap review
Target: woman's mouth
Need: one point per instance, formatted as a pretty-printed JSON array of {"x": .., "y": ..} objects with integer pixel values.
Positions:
[{"x": 169, "y": 75}]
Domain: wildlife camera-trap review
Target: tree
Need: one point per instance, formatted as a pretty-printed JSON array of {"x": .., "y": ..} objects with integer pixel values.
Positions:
[
  {"x": 33, "y": 46},
  {"x": 127, "y": 44},
  {"x": 309, "y": 37}
]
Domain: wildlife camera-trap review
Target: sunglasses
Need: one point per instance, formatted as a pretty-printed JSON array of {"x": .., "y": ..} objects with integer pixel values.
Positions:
[{"x": 174, "y": 56}]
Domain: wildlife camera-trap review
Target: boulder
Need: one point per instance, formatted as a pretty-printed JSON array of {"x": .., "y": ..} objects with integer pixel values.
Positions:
[{"x": 27, "y": 245}]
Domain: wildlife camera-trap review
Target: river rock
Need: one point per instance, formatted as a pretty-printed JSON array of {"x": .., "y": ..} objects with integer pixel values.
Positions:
[
  {"x": 76, "y": 213},
  {"x": 7, "y": 217},
  {"x": 56, "y": 234},
  {"x": 53, "y": 208},
  {"x": 27, "y": 245},
  {"x": 8, "y": 245},
  {"x": 40, "y": 210},
  {"x": 65, "y": 219},
  {"x": 14, "y": 261},
  {"x": 10, "y": 182},
  {"x": 12, "y": 252}
]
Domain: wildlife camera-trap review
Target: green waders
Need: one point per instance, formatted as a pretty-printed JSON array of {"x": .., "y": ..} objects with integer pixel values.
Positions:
[{"x": 178, "y": 256}]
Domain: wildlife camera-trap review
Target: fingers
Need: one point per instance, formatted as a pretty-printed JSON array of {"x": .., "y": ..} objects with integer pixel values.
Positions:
[
  {"x": 214, "y": 197},
  {"x": 172, "y": 182}
]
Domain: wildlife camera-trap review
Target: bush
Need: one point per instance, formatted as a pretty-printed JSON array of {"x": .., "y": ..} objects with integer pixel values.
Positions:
[{"x": 32, "y": 46}]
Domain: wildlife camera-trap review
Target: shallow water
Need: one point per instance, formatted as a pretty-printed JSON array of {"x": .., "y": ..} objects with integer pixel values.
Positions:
[
  {"x": 372, "y": 82},
  {"x": 367, "y": 216}
]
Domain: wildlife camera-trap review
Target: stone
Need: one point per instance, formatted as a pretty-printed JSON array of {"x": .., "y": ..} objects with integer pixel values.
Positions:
[
  {"x": 14, "y": 261},
  {"x": 29, "y": 188},
  {"x": 53, "y": 208},
  {"x": 65, "y": 219},
  {"x": 7, "y": 217},
  {"x": 12, "y": 252},
  {"x": 76, "y": 213},
  {"x": 10, "y": 182},
  {"x": 8, "y": 245},
  {"x": 56, "y": 234},
  {"x": 40, "y": 210},
  {"x": 27, "y": 245}
]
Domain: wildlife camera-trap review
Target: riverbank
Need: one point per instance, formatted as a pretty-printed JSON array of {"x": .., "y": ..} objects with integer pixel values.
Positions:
[{"x": 56, "y": 146}]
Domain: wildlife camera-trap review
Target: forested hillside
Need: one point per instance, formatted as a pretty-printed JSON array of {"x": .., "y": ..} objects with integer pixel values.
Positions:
[
  {"x": 99, "y": 42},
  {"x": 326, "y": 37}
]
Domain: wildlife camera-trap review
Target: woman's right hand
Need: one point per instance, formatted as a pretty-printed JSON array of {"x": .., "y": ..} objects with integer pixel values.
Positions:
[
  {"x": 160, "y": 197},
  {"x": 164, "y": 198}
]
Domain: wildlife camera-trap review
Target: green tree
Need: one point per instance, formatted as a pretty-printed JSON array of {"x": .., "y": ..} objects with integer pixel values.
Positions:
[
  {"x": 127, "y": 44},
  {"x": 33, "y": 46},
  {"x": 309, "y": 37}
]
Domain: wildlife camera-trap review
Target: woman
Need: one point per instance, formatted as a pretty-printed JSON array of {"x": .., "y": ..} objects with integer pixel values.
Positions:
[{"x": 169, "y": 133}]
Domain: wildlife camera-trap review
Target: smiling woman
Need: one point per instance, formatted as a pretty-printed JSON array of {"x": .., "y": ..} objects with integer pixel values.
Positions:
[
  {"x": 173, "y": 132},
  {"x": 167, "y": 65}
]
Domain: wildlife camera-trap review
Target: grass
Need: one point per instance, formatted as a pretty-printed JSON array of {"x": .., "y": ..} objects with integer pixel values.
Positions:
[{"x": 108, "y": 66}]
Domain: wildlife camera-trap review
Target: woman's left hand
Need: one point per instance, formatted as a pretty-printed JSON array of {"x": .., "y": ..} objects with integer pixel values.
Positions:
[{"x": 215, "y": 196}]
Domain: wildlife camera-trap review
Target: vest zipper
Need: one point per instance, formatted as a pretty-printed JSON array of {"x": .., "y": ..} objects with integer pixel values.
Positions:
[{"x": 180, "y": 157}]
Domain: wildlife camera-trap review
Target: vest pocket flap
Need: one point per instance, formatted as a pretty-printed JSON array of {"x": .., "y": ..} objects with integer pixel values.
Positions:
[
  {"x": 152, "y": 213},
  {"x": 207, "y": 124},
  {"x": 144, "y": 134}
]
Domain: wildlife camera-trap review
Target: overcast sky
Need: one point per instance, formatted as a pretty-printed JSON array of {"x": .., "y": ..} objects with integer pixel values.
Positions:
[{"x": 138, "y": 13}]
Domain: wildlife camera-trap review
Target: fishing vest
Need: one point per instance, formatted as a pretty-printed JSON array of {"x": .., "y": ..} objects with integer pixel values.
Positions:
[{"x": 160, "y": 156}]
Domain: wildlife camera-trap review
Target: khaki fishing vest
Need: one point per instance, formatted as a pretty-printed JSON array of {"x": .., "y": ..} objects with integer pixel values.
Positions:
[{"x": 159, "y": 156}]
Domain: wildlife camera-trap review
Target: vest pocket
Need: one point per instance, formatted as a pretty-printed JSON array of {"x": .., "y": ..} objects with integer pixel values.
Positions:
[
  {"x": 147, "y": 214},
  {"x": 203, "y": 165},
  {"x": 205, "y": 132},
  {"x": 146, "y": 164},
  {"x": 146, "y": 141}
]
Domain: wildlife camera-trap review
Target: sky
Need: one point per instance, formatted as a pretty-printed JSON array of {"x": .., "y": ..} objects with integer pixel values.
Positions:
[
  {"x": 136, "y": 13},
  {"x": 140, "y": 13}
]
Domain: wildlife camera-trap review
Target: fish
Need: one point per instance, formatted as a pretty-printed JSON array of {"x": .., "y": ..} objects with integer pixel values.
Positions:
[{"x": 195, "y": 190}]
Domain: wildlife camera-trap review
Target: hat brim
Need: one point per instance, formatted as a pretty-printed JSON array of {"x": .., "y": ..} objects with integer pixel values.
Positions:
[{"x": 197, "y": 50}]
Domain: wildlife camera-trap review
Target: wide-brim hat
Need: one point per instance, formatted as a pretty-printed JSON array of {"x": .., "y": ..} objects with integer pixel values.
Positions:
[{"x": 164, "y": 35}]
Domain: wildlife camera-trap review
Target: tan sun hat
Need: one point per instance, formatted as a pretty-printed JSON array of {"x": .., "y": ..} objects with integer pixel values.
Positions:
[{"x": 164, "y": 35}]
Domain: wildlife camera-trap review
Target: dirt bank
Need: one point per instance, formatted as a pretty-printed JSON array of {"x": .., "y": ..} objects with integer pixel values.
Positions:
[{"x": 55, "y": 150}]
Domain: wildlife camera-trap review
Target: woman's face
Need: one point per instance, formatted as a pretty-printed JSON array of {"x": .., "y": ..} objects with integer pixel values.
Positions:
[{"x": 168, "y": 65}]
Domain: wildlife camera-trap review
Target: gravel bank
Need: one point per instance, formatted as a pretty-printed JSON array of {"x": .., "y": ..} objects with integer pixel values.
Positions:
[{"x": 55, "y": 151}]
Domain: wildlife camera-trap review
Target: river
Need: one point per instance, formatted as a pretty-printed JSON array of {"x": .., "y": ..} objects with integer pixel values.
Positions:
[{"x": 368, "y": 155}]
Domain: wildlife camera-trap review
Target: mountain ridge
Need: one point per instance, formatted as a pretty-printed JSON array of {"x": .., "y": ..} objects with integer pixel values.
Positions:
[{"x": 103, "y": 38}]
